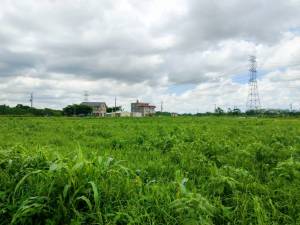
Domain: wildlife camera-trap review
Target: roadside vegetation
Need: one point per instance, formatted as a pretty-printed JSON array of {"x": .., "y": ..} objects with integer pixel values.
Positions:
[{"x": 183, "y": 170}]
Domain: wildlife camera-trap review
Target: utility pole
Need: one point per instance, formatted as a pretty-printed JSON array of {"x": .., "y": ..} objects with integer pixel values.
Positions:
[
  {"x": 31, "y": 99},
  {"x": 161, "y": 106},
  {"x": 115, "y": 104},
  {"x": 291, "y": 107},
  {"x": 253, "y": 101},
  {"x": 86, "y": 96}
]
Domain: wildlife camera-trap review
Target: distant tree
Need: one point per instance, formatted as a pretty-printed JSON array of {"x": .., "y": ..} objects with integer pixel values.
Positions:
[
  {"x": 186, "y": 114},
  {"x": 235, "y": 111},
  {"x": 23, "y": 110},
  {"x": 254, "y": 112},
  {"x": 20, "y": 106},
  {"x": 219, "y": 111},
  {"x": 82, "y": 110},
  {"x": 52, "y": 112},
  {"x": 4, "y": 109},
  {"x": 162, "y": 113},
  {"x": 114, "y": 109},
  {"x": 69, "y": 110}
]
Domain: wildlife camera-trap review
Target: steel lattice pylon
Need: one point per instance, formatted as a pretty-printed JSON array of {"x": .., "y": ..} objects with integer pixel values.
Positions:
[{"x": 253, "y": 101}]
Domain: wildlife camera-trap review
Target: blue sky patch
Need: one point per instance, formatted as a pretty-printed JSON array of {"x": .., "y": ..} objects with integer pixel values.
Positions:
[
  {"x": 180, "y": 88},
  {"x": 243, "y": 78}
]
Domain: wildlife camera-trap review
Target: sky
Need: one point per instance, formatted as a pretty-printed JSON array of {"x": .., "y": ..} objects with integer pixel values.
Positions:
[{"x": 192, "y": 55}]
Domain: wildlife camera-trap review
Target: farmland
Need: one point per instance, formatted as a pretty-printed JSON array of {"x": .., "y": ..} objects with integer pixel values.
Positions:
[{"x": 185, "y": 170}]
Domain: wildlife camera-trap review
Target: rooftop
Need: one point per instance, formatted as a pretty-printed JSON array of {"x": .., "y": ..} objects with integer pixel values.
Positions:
[{"x": 93, "y": 103}]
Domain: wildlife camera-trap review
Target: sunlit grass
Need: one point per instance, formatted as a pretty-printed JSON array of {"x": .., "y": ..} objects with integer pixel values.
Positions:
[{"x": 149, "y": 171}]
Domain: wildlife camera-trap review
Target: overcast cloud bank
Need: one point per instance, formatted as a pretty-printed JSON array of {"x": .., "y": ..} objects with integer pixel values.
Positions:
[{"x": 137, "y": 50}]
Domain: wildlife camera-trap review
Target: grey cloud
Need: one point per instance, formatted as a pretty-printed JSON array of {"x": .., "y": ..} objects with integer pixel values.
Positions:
[
  {"x": 79, "y": 40},
  {"x": 107, "y": 44},
  {"x": 225, "y": 60},
  {"x": 97, "y": 41},
  {"x": 208, "y": 22},
  {"x": 16, "y": 63}
]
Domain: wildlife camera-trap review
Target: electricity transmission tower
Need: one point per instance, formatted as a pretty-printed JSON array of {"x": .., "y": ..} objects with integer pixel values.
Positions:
[{"x": 253, "y": 101}]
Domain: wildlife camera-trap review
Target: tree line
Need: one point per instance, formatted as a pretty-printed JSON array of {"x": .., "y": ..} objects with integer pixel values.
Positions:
[
  {"x": 259, "y": 112},
  {"x": 83, "y": 110},
  {"x": 23, "y": 110},
  {"x": 70, "y": 110}
]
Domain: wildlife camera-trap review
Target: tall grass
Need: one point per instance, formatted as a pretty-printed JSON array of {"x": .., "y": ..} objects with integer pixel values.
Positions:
[{"x": 149, "y": 171}]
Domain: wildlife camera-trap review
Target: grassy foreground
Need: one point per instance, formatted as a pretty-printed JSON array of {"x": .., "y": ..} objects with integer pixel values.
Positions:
[{"x": 149, "y": 171}]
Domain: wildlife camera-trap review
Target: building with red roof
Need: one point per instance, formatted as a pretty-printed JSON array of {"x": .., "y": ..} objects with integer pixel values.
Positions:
[{"x": 144, "y": 108}]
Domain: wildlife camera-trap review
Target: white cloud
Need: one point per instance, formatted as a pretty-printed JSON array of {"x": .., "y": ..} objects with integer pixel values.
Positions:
[
  {"x": 286, "y": 53},
  {"x": 137, "y": 49}
]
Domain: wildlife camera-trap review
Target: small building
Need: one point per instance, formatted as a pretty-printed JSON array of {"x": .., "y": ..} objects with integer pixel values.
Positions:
[
  {"x": 99, "y": 108},
  {"x": 123, "y": 114},
  {"x": 174, "y": 114},
  {"x": 118, "y": 114},
  {"x": 136, "y": 114},
  {"x": 144, "y": 108},
  {"x": 112, "y": 114}
]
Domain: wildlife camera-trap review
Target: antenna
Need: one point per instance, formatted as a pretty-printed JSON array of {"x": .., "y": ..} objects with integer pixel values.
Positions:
[
  {"x": 31, "y": 99},
  {"x": 253, "y": 101},
  {"x": 86, "y": 96}
]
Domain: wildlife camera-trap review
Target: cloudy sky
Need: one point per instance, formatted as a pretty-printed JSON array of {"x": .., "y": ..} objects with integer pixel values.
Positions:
[{"x": 190, "y": 54}]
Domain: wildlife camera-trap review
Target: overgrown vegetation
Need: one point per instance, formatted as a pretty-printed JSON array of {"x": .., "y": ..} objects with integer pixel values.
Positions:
[
  {"x": 28, "y": 111},
  {"x": 183, "y": 170}
]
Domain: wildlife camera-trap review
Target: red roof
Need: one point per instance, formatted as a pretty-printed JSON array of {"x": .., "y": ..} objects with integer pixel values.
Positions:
[{"x": 145, "y": 105}]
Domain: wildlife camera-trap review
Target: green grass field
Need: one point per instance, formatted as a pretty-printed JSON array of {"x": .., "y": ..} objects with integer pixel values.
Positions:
[{"x": 149, "y": 171}]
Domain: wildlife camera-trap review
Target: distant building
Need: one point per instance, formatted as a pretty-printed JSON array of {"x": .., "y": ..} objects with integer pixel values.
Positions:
[
  {"x": 136, "y": 114},
  {"x": 118, "y": 114},
  {"x": 112, "y": 114},
  {"x": 99, "y": 108},
  {"x": 123, "y": 114},
  {"x": 144, "y": 108},
  {"x": 174, "y": 114}
]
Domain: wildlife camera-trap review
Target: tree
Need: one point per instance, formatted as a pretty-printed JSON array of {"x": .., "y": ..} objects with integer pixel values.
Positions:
[
  {"x": 114, "y": 109},
  {"x": 26, "y": 110},
  {"x": 4, "y": 109},
  {"x": 162, "y": 113},
  {"x": 78, "y": 110},
  {"x": 235, "y": 111},
  {"x": 219, "y": 111}
]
